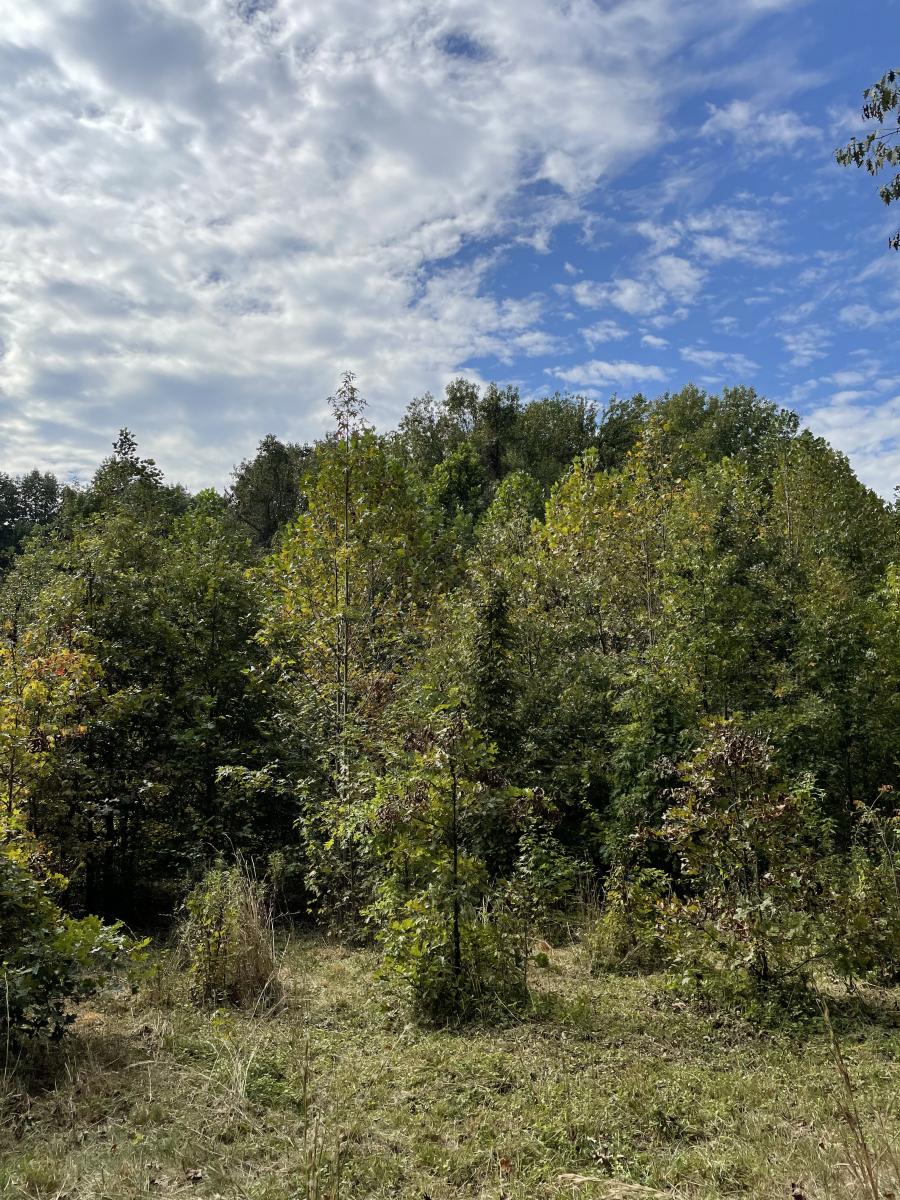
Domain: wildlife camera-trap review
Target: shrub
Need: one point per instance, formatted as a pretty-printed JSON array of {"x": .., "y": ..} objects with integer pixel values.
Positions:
[
  {"x": 49, "y": 961},
  {"x": 228, "y": 940},
  {"x": 441, "y": 985},
  {"x": 753, "y": 890},
  {"x": 539, "y": 892},
  {"x": 866, "y": 937},
  {"x": 626, "y": 937}
]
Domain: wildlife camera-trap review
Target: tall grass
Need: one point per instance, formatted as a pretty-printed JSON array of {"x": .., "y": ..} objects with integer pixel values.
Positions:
[
  {"x": 227, "y": 940},
  {"x": 873, "y": 1158}
]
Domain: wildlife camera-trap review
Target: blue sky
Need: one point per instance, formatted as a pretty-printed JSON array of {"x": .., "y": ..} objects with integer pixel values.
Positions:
[{"x": 210, "y": 208}]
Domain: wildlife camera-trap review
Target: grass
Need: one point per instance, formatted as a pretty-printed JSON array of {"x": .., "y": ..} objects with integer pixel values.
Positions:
[{"x": 608, "y": 1087}]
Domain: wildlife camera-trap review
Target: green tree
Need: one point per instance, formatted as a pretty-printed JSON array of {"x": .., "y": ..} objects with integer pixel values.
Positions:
[
  {"x": 27, "y": 503},
  {"x": 439, "y": 813},
  {"x": 124, "y": 481},
  {"x": 751, "y": 852},
  {"x": 343, "y": 592},
  {"x": 267, "y": 491},
  {"x": 164, "y": 607}
]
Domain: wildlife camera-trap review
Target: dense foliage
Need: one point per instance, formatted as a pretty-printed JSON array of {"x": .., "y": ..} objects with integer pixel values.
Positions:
[
  {"x": 435, "y": 681},
  {"x": 48, "y": 959}
]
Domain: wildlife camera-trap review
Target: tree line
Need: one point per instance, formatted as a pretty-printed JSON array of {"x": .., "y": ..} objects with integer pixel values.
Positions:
[{"x": 436, "y": 682}]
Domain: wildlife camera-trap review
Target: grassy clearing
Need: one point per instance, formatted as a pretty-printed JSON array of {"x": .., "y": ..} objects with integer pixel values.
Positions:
[{"x": 609, "y": 1087}]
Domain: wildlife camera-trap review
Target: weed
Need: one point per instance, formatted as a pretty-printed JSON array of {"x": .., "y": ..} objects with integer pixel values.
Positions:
[{"x": 874, "y": 1163}]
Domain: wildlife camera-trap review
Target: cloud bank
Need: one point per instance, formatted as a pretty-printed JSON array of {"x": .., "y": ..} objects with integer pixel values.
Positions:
[{"x": 210, "y": 208}]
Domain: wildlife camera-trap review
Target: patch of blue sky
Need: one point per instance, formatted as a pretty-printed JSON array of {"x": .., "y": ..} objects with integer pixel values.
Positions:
[{"x": 740, "y": 252}]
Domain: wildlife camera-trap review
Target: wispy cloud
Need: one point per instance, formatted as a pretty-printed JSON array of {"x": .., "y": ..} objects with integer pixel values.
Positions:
[
  {"x": 598, "y": 373},
  {"x": 758, "y": 132},
  {"x": 805, "y": 345},
  {"x": 738, "y": 365},
  {"x": 863, "y": 316},
  {"x": 209, "y": 208}
]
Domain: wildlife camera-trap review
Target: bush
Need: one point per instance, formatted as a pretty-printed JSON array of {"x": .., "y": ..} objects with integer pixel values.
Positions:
[
  {"x": 441, "y": 987},
  {"x": 228, "y": 940},
  {"x": 867, "y": 933},
  {"x": 538, "y": 895},
  {"x": 626, "y": 937},
  {"x": 49, "y": 960},
  {"x": 753, "y": 895}
]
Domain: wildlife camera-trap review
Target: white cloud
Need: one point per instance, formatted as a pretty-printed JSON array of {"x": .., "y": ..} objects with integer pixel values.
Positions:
[
  {"x": 661, "y": 237},
  {"x": 678, "y": 277},
  {"x": 635, "y": 296},
  {"x": 598, "y": 373},
  {"x": 804, "y": 346},
  {"x": 723, "y": 360},
  {"x": 665, "y": 280},
  {"x": 742, "y": 234},
  {"x": 848, "y": 379},
  {"x": 726, "y": 324},
  {"x": 868, "y": 433},
  {"x": 209, "y": 208},
  {"x": 862, "y": 316},
  {"x": 603, "y": 331},
  {"x": 720, "y": 234},
  {"x": 591, "y": 294},
  {"x": 756, "y": 131},
  {"x": 653, "y": 342}
]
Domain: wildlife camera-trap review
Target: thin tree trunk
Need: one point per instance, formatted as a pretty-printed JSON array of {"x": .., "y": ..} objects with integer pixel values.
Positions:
[{"x": 454, "y": 834}]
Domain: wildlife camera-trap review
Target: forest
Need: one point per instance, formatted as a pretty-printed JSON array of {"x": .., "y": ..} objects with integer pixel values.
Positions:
[{"x": 516, "y": 677}]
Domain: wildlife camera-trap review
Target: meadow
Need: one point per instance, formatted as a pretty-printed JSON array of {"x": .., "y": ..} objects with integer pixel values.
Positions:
[{"x": 607, "y": 1086}]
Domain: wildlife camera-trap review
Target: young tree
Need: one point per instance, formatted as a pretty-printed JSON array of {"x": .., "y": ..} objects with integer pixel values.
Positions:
[{"x": 343, "y": 591}]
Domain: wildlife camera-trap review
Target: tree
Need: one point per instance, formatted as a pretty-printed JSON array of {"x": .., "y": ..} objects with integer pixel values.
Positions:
[
  {"x": 553, "y": 431},
  {"x": 878, "y": 151},
  {"x": 27, "y": 503},
  {"x": 124, "y": 481},
  {"x": 49, "y": 688},
  {"x": 342, "y": 595},
  {"x": 162, "y": 610},
  {"x": 267, "y": 490},
  {"x": 751, "y": 854},
  {"x": 443, "y": 825}
]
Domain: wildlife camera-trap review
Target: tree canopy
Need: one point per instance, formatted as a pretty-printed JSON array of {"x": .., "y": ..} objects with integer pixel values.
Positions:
[{"x": 435, "y": 676}]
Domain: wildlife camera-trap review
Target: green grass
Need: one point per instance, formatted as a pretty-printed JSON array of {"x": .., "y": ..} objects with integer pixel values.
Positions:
[{"x": 609, "y": 1080}]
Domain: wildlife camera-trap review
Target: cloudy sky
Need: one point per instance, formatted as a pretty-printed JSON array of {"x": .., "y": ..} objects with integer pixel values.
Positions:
[{"x": 210, "y": 208}]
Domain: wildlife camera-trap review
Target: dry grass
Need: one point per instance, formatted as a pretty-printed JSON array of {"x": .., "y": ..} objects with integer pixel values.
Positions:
[
  {"x": 873, "y": 1154},
  {"x": 227, "y": 940},
  {"x": 609, "y": 1089}
]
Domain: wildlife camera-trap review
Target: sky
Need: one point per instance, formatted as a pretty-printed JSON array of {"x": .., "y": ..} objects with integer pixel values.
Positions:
[{"x": 209, "y": 209}]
